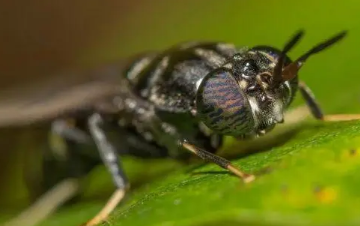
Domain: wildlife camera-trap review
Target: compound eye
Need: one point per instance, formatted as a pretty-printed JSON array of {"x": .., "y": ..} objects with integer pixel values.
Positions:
[{"x": 222, "y": 106}]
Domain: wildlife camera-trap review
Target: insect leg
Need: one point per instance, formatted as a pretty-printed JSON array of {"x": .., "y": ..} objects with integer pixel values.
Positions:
[
  {"x": 62, "y": 168},
  {"x": 64, "y": 158},
  {"x": 109, "y": 156},
  {"x": 64, "y": 129},
  {"x": 316, "y": 110},
  {"x": 224, "y": 163}
]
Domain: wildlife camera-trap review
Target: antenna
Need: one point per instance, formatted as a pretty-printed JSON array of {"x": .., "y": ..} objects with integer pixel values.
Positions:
[
  {"x": 277, "y": 74},
  {"x": 292, "y": 69}
]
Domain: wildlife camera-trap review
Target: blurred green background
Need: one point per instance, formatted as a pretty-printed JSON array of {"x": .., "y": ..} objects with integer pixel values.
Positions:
[{"x": 40, "y": 38}]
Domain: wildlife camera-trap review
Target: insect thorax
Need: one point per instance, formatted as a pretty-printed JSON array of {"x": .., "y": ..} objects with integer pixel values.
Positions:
[{"x": 169, "y": 81}]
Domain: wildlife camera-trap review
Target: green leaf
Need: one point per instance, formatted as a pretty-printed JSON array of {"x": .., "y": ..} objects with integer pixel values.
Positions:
[
  {"x": 309, "y": 175},
  {"x": 312, "y": 179}
]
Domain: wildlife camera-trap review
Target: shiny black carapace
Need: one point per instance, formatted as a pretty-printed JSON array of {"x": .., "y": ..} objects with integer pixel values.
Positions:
[{"x": 167, "y": 104}]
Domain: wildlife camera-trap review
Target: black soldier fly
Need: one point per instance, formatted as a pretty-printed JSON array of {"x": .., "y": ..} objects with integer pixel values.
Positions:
[{"x": 170, "y": 104}]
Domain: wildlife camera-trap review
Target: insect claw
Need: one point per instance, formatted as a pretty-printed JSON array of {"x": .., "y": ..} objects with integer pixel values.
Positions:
[{"x": 249, "y": 178}]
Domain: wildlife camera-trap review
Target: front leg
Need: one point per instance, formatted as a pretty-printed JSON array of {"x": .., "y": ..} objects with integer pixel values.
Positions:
[
  {"x": 109, "y": 156},
  {"x": 222, "y": 162},
  {"x": 316, "y": 110}
]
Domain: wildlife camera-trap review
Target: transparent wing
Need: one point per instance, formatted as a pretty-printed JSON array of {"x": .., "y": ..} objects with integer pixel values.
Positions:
[{"x": 49, "y": 99}]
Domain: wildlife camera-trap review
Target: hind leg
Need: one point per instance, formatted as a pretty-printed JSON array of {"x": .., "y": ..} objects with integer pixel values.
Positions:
[
  {"x": 63, "y": 167},
  {"x": 69, "y": 153},
  {"x": 109, "y": 156}
]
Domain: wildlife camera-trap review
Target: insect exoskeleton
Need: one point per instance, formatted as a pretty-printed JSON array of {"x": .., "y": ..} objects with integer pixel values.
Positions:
[{"x": 166, "y": 104}]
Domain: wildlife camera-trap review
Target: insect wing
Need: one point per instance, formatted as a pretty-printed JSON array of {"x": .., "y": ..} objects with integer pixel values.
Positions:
[{"x": 49, "y": 99}]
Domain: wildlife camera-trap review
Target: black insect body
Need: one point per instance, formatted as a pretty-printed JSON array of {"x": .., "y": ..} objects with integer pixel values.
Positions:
[{"x": 176, "y": 102}]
